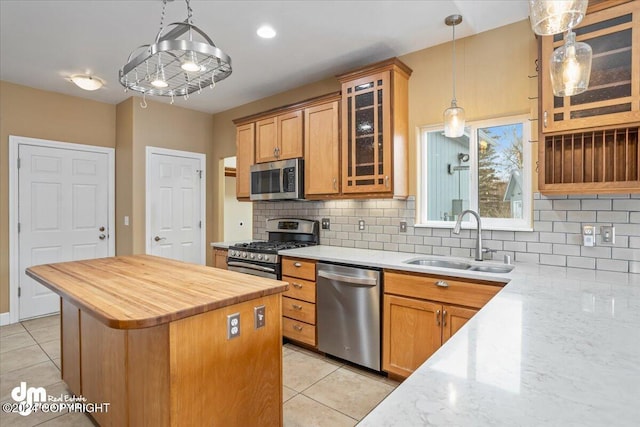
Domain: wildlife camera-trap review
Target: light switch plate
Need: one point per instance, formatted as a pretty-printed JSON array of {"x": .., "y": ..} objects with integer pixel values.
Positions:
[
  {"x": 258, "y": 315},
  {"x": 608, "y": 234},
  {"x": 403, "y": 226}
]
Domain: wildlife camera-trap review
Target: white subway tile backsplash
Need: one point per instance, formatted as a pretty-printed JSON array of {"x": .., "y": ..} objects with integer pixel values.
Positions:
[
  {"x": 566, "y": 205},
  {"x": 612, "y": 265},
  {"x": 556, "y": 239}
]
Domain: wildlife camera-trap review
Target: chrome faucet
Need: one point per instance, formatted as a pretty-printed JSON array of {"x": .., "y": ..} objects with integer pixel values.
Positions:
[{"x": 456, "y": 230}]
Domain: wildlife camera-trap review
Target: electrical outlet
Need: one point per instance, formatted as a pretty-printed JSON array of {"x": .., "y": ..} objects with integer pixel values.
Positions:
[
  {"x": 326, "y": 223},
  {"x": 403, "y": 226},
  {"x": 258, "y": 316},
  {"x": 588, "y": 235},
  {"x": 233, "y": 325},
  {"x": 608, "y": 234},
  {"x": 361, "y": 225}
]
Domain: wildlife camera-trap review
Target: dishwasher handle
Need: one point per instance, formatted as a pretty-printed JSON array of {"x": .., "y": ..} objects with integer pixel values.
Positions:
[{"x": 348, "y": 280}]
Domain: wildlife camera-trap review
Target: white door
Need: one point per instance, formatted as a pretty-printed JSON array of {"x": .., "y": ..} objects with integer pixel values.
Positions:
[
  {"x": 63, "y": 211},
  {"x": 175, "y": 207}
]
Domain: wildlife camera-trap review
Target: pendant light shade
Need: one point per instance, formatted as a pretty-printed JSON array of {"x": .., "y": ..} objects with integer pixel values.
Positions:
[
  {"x": 454, "y": 116},
  {"x": 181, "y": 60},
  {"x": 550, "y": 17},
  {"x": 570, "y": 67}
]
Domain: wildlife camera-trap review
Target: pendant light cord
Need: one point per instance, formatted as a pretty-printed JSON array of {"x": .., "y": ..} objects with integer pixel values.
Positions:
[{"x": 454, "y": 63}]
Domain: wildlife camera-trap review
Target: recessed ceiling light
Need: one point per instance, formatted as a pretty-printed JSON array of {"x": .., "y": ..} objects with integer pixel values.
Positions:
[
  {"x": 87, "y": 82},
  {"x": 266, "y": 32}
]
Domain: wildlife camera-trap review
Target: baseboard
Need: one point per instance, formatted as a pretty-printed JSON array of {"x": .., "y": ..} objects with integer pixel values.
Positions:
[{"x": 5, "y": 319}]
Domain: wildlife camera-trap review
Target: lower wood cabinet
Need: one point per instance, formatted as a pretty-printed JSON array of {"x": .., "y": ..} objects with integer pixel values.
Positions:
[
  {"x": 422, "y": 312},
  {"x": 220, "y": 258},
  {"x": 299, "y": 302}
]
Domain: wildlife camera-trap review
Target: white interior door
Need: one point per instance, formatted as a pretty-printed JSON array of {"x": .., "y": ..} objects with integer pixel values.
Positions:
[
  {"x": 63, "y": 211},
  {"x": 175, "y": 205}
]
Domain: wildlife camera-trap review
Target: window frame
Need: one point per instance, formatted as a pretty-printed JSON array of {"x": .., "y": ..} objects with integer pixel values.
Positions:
[{"x": 507, "y": 224}]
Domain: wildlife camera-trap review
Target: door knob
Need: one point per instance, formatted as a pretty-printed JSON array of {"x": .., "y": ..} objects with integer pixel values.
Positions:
[
  {"x": 101, "y": 229},
  {"x": 158, "y": 238},
  {"x": 102, "y": 237}
]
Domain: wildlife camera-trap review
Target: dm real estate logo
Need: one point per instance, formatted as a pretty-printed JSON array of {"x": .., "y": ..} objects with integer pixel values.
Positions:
[{"x": 29, "y": 396}]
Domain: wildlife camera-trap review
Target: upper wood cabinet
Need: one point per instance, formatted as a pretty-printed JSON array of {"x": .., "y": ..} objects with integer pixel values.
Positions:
[
  {"x": 375, "y": 130},
  {"x": 589, "y": 142},
  {"x": 245, "y": 139},
  {"x": 279, "y": 137},
  {"x": 322, "y": 150},
  {"x": 613, "y": 97}
]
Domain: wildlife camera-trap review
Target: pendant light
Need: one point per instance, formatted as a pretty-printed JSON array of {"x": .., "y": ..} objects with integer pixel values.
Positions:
[
  {"x": 550, "y": 17},
  {"x": 454, "y": 115},
  {"x": 570, "y": 67},
  {"x": 174, "y": 66}
]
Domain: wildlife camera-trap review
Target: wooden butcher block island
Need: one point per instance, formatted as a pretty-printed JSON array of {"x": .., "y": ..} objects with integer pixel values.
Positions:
[{"x": 149, "y": 336}]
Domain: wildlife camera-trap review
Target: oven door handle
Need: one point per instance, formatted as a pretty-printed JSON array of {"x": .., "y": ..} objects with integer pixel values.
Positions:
[{"x": 251, "y": 266}]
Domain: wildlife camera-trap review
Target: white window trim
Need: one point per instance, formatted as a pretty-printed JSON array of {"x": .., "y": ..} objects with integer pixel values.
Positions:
[{"x": 469, "y": 222}]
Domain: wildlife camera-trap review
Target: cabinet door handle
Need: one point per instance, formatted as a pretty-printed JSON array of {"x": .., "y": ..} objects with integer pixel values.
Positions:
[
  {"x": 386, "y": 181},
  {"x": 544, "y": 119},
  {"x": 444, "y": 317},
  {"x": 442, "y": 284},
  {"x": 297, "y": 328},
  {"x": 438, "y": 317},
  {"x": 296, "y": 285},
  {"x": 297, "y": 264},
  {"x": 296, "y": 306},
  {"x": 335, "y": 184}
]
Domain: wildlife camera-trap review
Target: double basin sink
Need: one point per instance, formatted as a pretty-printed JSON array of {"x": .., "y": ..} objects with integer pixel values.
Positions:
[{"x": 460, "y": 265}]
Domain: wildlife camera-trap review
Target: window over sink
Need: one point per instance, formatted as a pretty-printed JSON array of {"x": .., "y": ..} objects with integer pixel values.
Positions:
[{"x": 488, "y": 169}]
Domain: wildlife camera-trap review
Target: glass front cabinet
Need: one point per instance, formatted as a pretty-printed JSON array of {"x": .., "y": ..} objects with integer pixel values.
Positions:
[{"x": 375, "y": 130}]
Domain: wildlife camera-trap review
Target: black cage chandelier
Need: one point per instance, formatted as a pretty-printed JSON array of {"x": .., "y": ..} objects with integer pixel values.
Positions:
[{"x": 175, "y": 64}]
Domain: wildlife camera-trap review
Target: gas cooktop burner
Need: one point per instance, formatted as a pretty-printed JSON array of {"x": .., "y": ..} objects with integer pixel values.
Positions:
[{"x": 269, "y": 246}]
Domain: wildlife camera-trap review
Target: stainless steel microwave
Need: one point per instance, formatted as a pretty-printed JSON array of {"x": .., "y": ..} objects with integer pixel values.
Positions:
[{"x": 279, "y": 180}]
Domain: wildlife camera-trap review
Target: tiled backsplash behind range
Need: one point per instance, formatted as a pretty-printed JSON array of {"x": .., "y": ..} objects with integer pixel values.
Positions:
[{"x": 556, "y": 239}]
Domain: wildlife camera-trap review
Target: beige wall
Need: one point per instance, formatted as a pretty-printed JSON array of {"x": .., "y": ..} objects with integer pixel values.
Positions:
[
  {"x": 35, "y": 113},
  {"x": 158, "y": 125},
  {"x": 492, "y": 80}
]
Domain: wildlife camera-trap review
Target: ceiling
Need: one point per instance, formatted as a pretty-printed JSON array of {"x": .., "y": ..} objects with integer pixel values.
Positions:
[{"x": 42, "y": 43}]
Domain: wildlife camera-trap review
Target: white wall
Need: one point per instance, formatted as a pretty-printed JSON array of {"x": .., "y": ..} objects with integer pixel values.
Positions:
[{"x": 238, "y": 216}]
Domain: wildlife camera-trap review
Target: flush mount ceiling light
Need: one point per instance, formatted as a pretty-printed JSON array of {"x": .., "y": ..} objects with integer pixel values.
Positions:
[
  {"x": 86, "y": 82},
  {"x": 570, "y": 67},
  {"x": 174, "y": 66},
  {"x": 454, "y": 115},
  {"x": 266, "y": 32},
  {"x": 550, "y": 17}
]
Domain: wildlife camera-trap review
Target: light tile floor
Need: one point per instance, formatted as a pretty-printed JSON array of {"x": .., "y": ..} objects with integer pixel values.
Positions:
[{"x": 318, "y": 391}]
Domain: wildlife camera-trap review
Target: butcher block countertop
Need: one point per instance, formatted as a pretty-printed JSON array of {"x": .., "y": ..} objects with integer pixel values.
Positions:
[{"x": 140, "y": 291}]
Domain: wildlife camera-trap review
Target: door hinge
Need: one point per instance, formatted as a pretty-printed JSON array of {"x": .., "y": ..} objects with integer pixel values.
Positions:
[
  {"x": 199, "y": 171},
  {"x": 18, "y": 227},
  {"x": 19, "y": 291},
  {"x": 18, "y": 162},
  {"x": 200, "y": 224}
]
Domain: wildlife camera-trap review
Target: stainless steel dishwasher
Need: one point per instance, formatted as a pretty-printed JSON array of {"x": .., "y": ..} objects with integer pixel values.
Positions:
[{"x": 348, "y": 309}]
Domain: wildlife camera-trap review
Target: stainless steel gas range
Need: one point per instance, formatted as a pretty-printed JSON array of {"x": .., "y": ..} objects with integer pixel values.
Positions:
[{"x": 261, "y": 258}]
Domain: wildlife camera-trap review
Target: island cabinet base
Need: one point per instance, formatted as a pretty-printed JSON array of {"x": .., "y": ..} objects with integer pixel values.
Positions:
[{"x": 183, "y": 373}]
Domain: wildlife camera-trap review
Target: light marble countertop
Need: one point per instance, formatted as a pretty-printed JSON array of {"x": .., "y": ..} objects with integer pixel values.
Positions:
[{"x": 555, "y": 347}]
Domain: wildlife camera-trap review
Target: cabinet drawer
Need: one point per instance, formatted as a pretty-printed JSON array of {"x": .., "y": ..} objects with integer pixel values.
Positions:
[
  {"x": 299, "y": 331},
  {"x": 299, "y": 268},
  {"x": 457, "y": 291},
  {"x": 299, "y": 310},
  {"x": 300, "y": 289}
]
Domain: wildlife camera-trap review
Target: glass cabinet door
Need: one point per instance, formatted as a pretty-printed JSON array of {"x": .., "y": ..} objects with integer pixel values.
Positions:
[
  {"x": 366, "y": 144},
  {"x": 614, "y": 93}
]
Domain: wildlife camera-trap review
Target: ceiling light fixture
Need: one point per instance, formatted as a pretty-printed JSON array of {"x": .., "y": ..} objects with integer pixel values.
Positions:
[
  {"x": 454, "y": 115},
  {"x": 87, "y": 82},
  {"x": 266, "y": 32},
  {"x": 174, "y": 66},
  {"x": 550, "y": 17}
]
